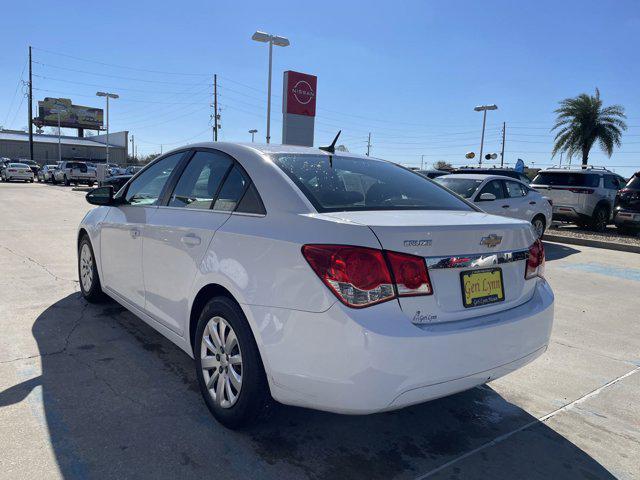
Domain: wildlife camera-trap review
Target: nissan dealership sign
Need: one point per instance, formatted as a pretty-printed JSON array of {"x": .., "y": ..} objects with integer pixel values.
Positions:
[{"x": 298, "y": 108}]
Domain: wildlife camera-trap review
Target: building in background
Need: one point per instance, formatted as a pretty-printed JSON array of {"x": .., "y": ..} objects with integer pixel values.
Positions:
[{"x": 15, "y": 144}]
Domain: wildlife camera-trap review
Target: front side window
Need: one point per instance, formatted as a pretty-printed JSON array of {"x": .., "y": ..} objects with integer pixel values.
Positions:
[
  {"x": 200, "y": 181},
  {"x": 515, "y": 189},
  {"x": 146, "y": 189},
  {"x": 495, "y": 187},
  {"x": 354, "y": 184}
]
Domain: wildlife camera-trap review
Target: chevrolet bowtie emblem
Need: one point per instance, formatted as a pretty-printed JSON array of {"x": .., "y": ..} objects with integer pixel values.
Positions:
[{"x": 491, "y": 241}]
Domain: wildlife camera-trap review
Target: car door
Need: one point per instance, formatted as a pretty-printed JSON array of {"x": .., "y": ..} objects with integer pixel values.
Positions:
[
  {"x": 520, "y": 204},
  {"x": 123, "y": 229},
  {"x": 497, "y": 206},
  {"x": 179, "y": 234}
]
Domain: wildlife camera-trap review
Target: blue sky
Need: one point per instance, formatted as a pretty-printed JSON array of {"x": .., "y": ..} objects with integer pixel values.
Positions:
[{"x": 408, "y": 72}]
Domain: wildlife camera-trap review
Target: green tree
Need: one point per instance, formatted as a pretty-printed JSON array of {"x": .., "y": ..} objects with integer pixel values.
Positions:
[{"x": 582, "y": 121}]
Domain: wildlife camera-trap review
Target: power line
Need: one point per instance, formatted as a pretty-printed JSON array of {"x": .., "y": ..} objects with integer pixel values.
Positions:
[{"x": 15, "y": 92}]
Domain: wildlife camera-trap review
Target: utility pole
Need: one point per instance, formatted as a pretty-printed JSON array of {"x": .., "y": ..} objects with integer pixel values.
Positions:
[
  {"x": 504, "y": 134},
  {"x": 369, "y": 144},
  {"x": 30, "y": 109},
  {"x": 133, "y": 148},
  {"x": 215, "y": 108}
]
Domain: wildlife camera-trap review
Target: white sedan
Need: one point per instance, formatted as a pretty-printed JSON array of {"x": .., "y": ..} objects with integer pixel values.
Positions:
[
  {"x": 502, "y": 196},
  {"x": 330, "y": 281},
  {"x": 17, "y": 171}
]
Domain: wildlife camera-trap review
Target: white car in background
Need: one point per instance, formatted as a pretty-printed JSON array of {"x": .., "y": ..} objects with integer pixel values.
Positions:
[
  {"x": 17, "y": 171},
  {"x": 502, "y": 196},
  {"x": 330, "y": 281}
]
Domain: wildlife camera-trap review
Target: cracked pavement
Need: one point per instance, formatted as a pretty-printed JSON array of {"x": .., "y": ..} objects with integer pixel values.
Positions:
[{"x": 89, "y": 391}]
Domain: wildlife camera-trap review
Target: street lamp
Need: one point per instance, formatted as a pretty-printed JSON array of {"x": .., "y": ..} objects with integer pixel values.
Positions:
[
  {"x": 59, "y": 109},
  {"x": 279, "y": 42},
  {"x": 108, "y": 95},
  {"x": 253, "y": 132},
  {"x": 483, "y": 109}
]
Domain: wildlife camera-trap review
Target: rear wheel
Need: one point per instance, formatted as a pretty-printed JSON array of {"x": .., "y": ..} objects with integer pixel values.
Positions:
[
  {"x": 600, "y": 219},
  {"x": 539, "y": 225},
  {"x": 88, "y": 273},
  {"x": 66, "y": 181},
  {"x": 228, "y": 365}
]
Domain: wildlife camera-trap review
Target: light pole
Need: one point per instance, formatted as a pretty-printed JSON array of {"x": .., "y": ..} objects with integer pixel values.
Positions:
[
  {"x": 253, "y": 132},
  {"x": 59, "y": 110},
  {"x": 108, "y": 95},
  {"x": 483, "y": 109},
  {"x": 279, "y": 42}
]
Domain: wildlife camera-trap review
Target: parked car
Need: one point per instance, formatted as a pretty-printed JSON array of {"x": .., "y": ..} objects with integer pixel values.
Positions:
[
  {"x": 627, "y": 210},
  {"x": 584, "y": 196},
  {"x": 117, "y": 181},
  {"x": 505, "y": 172},
  {"x": 17, "y": 171},
  {"x": 132, "y": 169},
  {"x": 502, "y": 196},
  {"x": 69, "y": 172},
  {"x": 333, "y": 281},
  {"x": 34, "y": 166},
  {"x": 432, "y": 173},
  {"x": 45, "y": 174},
  {"x": 4, "y": 161}
]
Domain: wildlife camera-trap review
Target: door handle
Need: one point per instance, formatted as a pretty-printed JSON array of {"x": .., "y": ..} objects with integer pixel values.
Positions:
[
  {"x": 532, "y": 203},
  {"x": 190, "y": 240},
  {"x": 135, "y": 233},
  {"x": 505, "y": 206}
]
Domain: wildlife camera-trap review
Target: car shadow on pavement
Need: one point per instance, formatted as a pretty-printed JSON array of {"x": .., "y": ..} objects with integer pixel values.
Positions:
[
  {"x": 120, "y": 401},
  {"x": 557, "y": 251}
]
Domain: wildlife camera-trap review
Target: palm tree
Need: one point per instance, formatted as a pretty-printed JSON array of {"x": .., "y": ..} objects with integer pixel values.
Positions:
[{"x": 583, "y": 121}]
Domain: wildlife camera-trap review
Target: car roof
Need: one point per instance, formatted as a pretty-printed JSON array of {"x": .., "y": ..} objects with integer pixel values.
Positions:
[{"x": 479, "y": 176}]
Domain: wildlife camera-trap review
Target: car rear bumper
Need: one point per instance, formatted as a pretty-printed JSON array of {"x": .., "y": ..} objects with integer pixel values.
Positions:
[
  {"x": 19, "y": 176},
  {"x": 627, "y": 218},
  {"x": 361, "y": 361}
]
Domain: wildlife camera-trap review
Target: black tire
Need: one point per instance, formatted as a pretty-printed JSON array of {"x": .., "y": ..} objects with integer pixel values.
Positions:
[
  {"x": 92, "y": 292},
  {"x": 534, "y": 222},
  {"x": 253, "y": 396},
  {"x": 66, "y": 181},
  {"x": 90, "y": 184},
  {"x": 599, "y": 219}
]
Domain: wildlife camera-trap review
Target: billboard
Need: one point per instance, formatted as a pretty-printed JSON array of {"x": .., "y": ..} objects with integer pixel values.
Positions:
[
  {"x": 298, "y": 108},
  {"x": 300, "y": 93},
  {"x": 71, "y": 116}
]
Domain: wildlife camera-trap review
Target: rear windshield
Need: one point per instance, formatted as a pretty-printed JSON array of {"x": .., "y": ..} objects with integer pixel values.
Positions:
[
  {"x": 18, "y": 165},
  {"x": 465, "y": 187},
  {"x": 570, "y": 179},
  {"x": 350, "y": 183},
  {"x": 634, "y": 182}
]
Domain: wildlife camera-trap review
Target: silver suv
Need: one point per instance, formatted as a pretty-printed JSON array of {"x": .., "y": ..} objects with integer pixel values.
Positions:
[{"x": 585, "y": 196}]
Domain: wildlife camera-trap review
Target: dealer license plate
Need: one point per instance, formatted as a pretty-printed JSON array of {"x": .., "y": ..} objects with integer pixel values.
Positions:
[{"x": 481, "y": 287}]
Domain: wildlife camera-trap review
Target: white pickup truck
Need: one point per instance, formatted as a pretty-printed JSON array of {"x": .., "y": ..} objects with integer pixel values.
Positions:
[{"x": 69, "y": 172}]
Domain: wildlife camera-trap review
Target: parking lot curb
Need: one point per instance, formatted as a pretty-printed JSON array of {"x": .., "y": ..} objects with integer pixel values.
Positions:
[{"x": 622, "y": 247}]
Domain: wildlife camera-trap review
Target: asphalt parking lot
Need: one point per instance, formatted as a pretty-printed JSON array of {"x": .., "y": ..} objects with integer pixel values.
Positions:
[{"x": 89, "y": 391}]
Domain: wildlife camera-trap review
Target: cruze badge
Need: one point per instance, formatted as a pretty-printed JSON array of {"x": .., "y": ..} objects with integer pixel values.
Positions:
[
  {"x": 491, "y": 241},
  {"x": 417, "y": 243}
]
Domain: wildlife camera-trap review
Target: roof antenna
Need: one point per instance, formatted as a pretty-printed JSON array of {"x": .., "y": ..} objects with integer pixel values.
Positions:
[{"x": 331, "y": 148}]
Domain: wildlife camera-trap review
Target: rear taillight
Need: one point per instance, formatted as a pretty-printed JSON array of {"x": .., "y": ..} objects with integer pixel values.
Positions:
[
  {"x": 361, "y": 276},
  {"x": 581, "y": 190},
  {"x": 410, "y": 274},
  {"x": 535, "y": 262}
]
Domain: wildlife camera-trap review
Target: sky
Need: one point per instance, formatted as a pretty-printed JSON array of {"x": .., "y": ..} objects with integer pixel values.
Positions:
[{"x": 408, "y": 72}]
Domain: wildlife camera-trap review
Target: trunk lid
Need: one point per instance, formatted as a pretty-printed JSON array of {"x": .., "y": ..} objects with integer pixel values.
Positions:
[{"x": 453, "y": 242}]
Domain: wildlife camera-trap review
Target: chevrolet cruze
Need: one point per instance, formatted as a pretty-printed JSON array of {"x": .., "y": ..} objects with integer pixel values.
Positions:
[{"x": 330, "y": 281}]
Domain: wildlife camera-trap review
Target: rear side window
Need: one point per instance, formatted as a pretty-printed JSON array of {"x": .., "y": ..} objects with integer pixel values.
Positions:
[
  {"x": 611, "y": 182},
  {"x": 515, "y": 189},
  {"x": 200, "y": 181},
  {"x": 634, "y": 182},
  {"x": 355, "y": 184},
  {"x": 232, "y": 191},
  {"x": 569, "y": 179}
]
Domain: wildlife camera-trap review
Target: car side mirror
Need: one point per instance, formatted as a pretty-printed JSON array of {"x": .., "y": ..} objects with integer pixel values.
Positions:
[
  {"x": 101, "y": 196},
  {"x": 487, "y": 197}
]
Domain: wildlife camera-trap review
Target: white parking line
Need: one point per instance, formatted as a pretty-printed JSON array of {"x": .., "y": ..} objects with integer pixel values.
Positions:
[{"x": 544, "y": 418}]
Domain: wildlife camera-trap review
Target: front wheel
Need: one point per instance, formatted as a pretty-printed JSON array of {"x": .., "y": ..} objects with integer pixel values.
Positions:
[
  {"x": 66, "y": 181},
  {"x": 228, "y": 365},
  {"x": 88, "y": 272}
]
